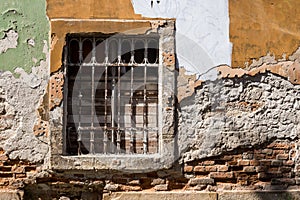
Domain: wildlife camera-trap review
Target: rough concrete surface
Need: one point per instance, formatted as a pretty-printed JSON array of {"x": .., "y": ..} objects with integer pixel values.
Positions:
[
  {"x": 19, "y": 101},
  {"x": 161, "y": 195},
  {"x": 10, "y": 41},
  {"x": 238, "y": 113}
]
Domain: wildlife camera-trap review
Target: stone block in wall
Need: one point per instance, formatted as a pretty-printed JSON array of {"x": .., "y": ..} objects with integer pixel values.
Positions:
[{"x": 201, "y": 181}]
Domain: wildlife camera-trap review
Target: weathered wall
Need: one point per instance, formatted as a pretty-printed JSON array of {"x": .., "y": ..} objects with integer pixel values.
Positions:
[
  {"x": 260, "y": 27},
  {"x": 23, "y": 28},
  {"x": 238, "y": 132}
]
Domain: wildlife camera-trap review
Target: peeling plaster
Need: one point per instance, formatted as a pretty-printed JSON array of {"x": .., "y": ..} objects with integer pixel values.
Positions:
[
  {"x": 28, "y": 19},
  {"x": 20, "y": 98},
  {"x": 202, "y": 32},
  {"x": 10, "y": 41}
]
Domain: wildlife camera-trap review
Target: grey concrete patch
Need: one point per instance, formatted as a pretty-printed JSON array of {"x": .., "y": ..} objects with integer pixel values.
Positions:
[{"x": 161, "y": 195}]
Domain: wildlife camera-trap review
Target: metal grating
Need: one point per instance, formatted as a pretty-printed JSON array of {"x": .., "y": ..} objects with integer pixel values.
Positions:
[{"x": 111, "y": 94}]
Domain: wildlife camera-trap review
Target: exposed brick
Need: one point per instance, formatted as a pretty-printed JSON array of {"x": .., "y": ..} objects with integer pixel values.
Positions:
[
  {"x": 222, "y": 168},
  {"x": 243, "y": 162},
  {"x": 267, "y": 151},
  {"x": 282, "y": 156},
  {"x": 211, "y": 168},
  {"x": 199, "y": 169},
  {"x": 209, "y": 162},
  {"x": 234, "y": 162},
  {"x": 288, "y": 163},
  {"x": 18, "y": 169},
  {"x": 188, "y": 168},
  {"x": 221, "y": 175},
  {"x": 227, "y": 157},
  {"x": 201, "y": 181},
  {"x": 259, "y": 156},
  {"x": 158, "y": 181},
  {"x": 130, "y": 188},
  {"x": 3, "y": 157},
  {"x": 254, "y": 162},
  {"x": 248, "y": 155},
  {"x": 276, "y": 162},
  {"x": 285, "y": 169},
  {"x": 265, "y": 162},
  {"x": 249, "y": 169},
  {"x": 162, "y": 187},
  {"x": 281, "y": 181},
  {"x": 134, "y": 182},
  {"x": 22, "y": 175}
]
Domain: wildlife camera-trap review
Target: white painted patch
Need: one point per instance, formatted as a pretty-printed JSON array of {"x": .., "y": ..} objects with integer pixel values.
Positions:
[
  {"x": 202, "y": 31},
  {"x": 10, "y": 41}
]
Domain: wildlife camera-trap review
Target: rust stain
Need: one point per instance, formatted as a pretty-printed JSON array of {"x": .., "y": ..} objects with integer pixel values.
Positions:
[
  {"x": 288, "y": 69},
  {"x": 261, "y": 26},
  {"x": 56, "y": 89}
]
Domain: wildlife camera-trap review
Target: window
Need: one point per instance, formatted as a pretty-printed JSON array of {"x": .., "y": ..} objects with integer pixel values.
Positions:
[
  {"x": 111, "y": 94},
  {"x": 119, "y": 87}
]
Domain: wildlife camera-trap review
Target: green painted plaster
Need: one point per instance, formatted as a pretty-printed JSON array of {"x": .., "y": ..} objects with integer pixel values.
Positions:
[{"x": 28, "y": 18}]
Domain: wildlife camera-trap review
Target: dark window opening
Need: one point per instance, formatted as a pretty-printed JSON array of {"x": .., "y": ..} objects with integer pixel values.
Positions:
[{"x": 111, "y": 94}]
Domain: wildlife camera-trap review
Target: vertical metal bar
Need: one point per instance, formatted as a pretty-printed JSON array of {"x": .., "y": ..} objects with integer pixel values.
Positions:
[
  {"x": 79, "y": 139},
  {"x": 145, "y": 108},
  {"x": 119, "y": 96},
  {"x": 92, "y": 133},
  {"x": 132, "y": 131},
  {"x": 113, "y": 111},
  {"x": 105, "y": 138},
  {"x": 66, "y": 83}
]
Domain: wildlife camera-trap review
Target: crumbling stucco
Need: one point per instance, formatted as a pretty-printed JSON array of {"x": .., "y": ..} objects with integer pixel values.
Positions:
[
  {"x": 10, "y": 41},
  {"x": 233, "y": 113},
  {"x": 20, "y": 98}
]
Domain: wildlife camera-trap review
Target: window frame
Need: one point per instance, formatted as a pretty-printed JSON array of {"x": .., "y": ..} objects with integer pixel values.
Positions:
[{"x": 167, "y": 101}]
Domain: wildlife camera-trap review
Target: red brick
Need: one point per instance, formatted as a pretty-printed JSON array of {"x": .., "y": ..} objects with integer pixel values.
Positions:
[
  {"x": 130, "y": 188},
  {"x": 234, "y": 162},
  {"x": 265, "y": 162},
  {"x": 209, "y": 162},
  {"x": 259, "y": 156},
  {"x": 288, "y": 163},
  {"x": 199, "y": 169},
  {"x": 285, "y": 169},
  {"x": 18, "y": 169},
  {"x": 254, "y": 162},
  {"x": 249, "y": 169},
  {"x": 23, "y": 175},
  {"x": 211, "y": 168},
  {"x": 282, "y": 156},
  {"x": 267, "y": 151},
  {"x": 222, "y": 168},
  {"x": 227, "y": 157},
  {"x": 3, "y": 158},
  {"x": 243, "y": 162},
  {"x": 276, "y": 162},
  {"x": 221, "y": 175},
  {"x": 260, "y": 168},
  {"x": 188, "y": 168}
]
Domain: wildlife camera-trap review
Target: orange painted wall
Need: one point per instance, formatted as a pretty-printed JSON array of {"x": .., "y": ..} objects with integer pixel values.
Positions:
[{"x": 261, "y": 26}]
